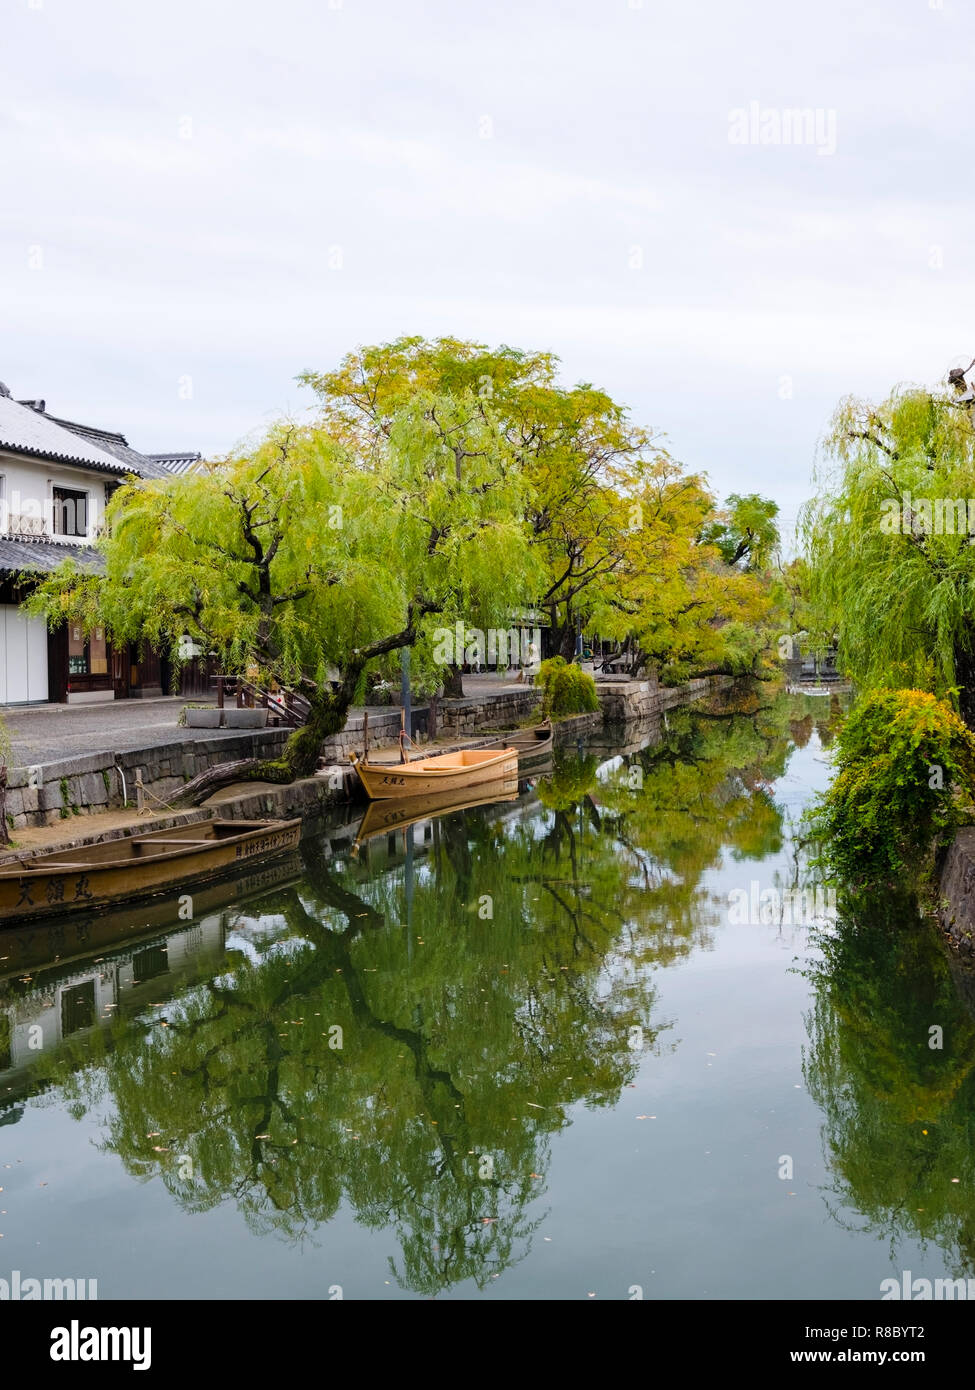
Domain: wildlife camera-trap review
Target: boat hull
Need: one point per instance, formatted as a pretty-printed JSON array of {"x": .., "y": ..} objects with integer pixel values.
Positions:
[
  {"x": 115, "y": 872},
  {"x": 531, "y": 745},
  {"x": 427, "y": 776}
]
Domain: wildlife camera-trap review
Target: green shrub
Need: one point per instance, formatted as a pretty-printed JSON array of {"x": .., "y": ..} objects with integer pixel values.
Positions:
[
  {"x": 566, "y": 688},
  {"x": 906, "y": 769}
]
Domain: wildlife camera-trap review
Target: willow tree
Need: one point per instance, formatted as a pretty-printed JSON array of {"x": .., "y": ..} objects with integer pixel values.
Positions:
[
  {"x": 576, "y": 445},
  {"x": 303, "y": 557},
  {"x": 629, "y": 545},
  {"x": 888, "y": 539},
  {"x": 745, "y": 532}
]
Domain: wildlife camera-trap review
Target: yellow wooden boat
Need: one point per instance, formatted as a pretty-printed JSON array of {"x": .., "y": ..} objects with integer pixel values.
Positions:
[
  {"x": 135, "y": 866},
  {"x": 444, "y": 772},
  {"x": 55, "y": 940}
]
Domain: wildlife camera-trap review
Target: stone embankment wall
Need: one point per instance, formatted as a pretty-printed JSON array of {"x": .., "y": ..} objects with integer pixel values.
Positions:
[
  {"x": 626, "y": 701},
  {"x": 74, "y": 787},
  {"x": 455, "y": 719},
  {"x": 956, "y": 906},
  {"x": 59, "y": 791}
]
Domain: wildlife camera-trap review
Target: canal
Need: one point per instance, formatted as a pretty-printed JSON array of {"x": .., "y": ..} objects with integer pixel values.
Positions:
[{"x": 601, "y": 1040}]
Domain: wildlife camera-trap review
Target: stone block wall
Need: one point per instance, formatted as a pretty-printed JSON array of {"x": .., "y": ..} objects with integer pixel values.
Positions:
[
  {"x": 627, "y": 700},
  {"x": 956, "y": 908},
  {"x": 463, "y": 718},
  {"x": 60, "y": 791}
]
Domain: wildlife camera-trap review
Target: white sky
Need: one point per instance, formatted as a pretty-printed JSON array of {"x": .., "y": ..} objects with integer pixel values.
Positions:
[{"x": 175, "y": 175}]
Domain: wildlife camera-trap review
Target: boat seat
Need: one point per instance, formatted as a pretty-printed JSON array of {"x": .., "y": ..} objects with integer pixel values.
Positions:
[{"x": 152, "y": 840}]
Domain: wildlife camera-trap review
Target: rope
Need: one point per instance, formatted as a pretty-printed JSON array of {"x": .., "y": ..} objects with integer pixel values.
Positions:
[{"x": 159, "y": 802}]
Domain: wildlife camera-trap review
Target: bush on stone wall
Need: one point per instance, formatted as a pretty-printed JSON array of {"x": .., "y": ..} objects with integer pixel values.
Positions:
[{"x": 566, "y": 688}]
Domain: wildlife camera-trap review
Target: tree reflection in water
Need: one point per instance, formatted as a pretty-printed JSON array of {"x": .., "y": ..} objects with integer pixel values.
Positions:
[
  {"x": 899, "y": 1127},
  {"x": 481, "y": 992}
]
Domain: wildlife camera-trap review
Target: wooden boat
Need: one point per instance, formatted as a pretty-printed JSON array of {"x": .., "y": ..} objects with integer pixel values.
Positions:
[
  {"x": 53, "y": 941},
  {"x": 532, "y": 744},
  {"x": 385, "y": 816},
  {"x": 136, "y": 866},
  {"x": 471, "y": 767}
]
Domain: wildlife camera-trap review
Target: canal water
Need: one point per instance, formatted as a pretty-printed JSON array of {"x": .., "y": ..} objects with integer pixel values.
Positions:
[{"x": 600, "y": 1040}]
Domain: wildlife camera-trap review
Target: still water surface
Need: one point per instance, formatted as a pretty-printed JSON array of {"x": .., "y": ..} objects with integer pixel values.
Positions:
[{"x": 519, "y": 1051}]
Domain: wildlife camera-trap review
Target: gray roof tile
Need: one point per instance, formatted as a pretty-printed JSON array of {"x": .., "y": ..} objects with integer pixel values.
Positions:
[
  {"x": 41, "y": 557},
  {"x": 115, "y": 444},
  {"x": 26, "y": 431}
]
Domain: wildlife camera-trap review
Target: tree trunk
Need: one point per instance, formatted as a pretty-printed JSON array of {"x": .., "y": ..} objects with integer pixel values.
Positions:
[
  {"x": 965, "y": 677},
  {"x": 326, "y": 716},
  {"x": 453, "y": 686},
  {"x": 567, "y": 641},
  {"x": 4, "y": 828}
]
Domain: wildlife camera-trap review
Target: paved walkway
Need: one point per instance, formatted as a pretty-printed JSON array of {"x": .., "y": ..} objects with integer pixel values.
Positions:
[{"x": 49, "y": 733}]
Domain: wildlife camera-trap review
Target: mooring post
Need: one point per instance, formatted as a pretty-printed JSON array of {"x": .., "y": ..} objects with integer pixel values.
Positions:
[{"x": 140, "y": 791}]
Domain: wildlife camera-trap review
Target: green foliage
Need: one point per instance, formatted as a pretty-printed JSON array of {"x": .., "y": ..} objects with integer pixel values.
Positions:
[
  {"x": 746, "y": 532},
  {"x": 898, "y": 1127},
  {"x": 891, "y": 570},
  {"x": 904, "y": 758},
  {"x": 626, "y": 544},
  {"x": 566, "y": 688}
]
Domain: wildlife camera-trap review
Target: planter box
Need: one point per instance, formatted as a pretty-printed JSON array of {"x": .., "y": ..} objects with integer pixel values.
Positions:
[
  {"x": 245, "y": 718},
  {"x": 203, "y": 718}
]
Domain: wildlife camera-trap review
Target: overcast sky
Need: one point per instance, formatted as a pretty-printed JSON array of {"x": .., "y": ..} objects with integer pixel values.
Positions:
[{"x": 201, "y": 199}]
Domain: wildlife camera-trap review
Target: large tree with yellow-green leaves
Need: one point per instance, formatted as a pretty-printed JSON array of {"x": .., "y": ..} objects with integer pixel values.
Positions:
[
  {"x": 629, "y": 545},
  {"x": 443, "y": 482}
]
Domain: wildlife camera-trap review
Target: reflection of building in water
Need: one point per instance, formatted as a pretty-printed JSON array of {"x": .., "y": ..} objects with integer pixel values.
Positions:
[{"x": 40, "y": 1011}]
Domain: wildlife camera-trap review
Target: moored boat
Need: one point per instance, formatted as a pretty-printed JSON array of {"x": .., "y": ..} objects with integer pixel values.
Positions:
[
  {"x": 532, "y": 744},
  {"x": 471, "y": 767},
  {"x": 135, "y": 866}
]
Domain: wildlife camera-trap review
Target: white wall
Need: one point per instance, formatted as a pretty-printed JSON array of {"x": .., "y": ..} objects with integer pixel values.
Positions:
[
  {"x": 27, "y": 489},
  {"x": 23, "y": 656}
]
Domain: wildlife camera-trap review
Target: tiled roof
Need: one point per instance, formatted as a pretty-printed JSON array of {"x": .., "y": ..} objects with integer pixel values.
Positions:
[
  {"x": 177, "y": 463},
  {"x": 41, "y": 557},
  {"x": 26, "y": 431},
  {"x": 145, "y": 465}
]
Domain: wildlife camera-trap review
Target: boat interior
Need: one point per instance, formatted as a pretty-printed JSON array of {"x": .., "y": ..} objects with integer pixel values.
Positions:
[{"x": 150, "y": 845}]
